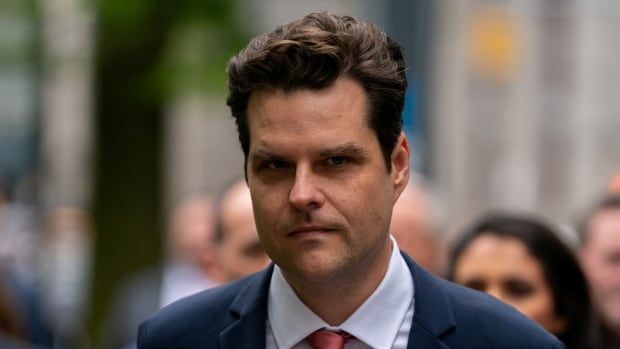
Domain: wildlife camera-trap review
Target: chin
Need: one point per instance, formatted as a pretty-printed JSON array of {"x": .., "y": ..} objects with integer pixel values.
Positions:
[{"x": 317, "y": 268}]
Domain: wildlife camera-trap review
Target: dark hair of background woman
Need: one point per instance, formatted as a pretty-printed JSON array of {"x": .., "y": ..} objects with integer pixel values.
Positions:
[{"x": 560, "y": 269}]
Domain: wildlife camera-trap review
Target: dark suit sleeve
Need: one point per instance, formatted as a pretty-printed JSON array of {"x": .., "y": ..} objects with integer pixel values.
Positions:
[
  {"x": 558, "y": 345},
  {"x": 142, "y": 337}
]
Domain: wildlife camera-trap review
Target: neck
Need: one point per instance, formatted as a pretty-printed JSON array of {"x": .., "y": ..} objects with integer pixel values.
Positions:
[{"x": 335, "y": 299}]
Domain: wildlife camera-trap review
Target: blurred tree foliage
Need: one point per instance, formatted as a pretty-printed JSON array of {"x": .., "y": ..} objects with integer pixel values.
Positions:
[
  {"x": 18, "y": 29},
  {"x": 20, "y": 69},
  {"x": 147, "y": 51}
]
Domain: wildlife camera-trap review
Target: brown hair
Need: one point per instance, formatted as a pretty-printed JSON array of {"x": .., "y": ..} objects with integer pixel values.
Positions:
[{"x": 312, "y": 53}]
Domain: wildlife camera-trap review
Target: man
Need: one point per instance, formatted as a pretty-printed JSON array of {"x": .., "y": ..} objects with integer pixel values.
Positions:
[
  {"x": 413, "y": 228},
  {"x": 600, "y": 259},
  {"x": 190, "y": 249},
  {"x": 238, "y": 249},
  {"x": 318, "y": 105},
  {"x": 190, "y": 266}
]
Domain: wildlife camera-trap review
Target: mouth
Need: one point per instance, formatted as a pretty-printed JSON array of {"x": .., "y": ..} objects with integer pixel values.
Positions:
[{"x": 310, "y": 231}]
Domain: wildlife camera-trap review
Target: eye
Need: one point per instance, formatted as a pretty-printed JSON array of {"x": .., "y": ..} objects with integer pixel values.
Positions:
[
  {"x": 612, "y": 258},
  {"x": 518, "y": 288},
  {"x": 337, "y": 160},
  {"x": 476, "y": 284},
  {"x": 253, "y": 250},
  {"x": 275, "y": 164}
]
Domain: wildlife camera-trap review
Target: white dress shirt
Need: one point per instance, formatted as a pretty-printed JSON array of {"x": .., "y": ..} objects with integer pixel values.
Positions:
[{"x": 383, "y": 321}]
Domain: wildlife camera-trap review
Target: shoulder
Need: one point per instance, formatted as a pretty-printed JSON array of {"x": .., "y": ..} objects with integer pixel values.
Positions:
[
  {"x": 192, "y": 320},
  {"x": 484, "y": 320}
]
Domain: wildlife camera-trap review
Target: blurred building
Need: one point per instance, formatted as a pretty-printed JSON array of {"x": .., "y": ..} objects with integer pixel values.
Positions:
[
  {"x": 524, "y": 113},
  {"x": 511, "y": 103}
]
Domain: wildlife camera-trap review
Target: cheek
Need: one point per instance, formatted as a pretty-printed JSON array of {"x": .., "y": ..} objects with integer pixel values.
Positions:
[
  {"x": 609, "y": 274},
  {"x": 264, "y": 212},
  {"x": 539, "y": 306},
  {"x": 259, "y": 263},
  {"x": 268, "y": 203}
]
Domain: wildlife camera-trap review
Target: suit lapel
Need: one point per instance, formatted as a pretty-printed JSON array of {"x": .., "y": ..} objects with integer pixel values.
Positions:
[
  {"x": 248, "y": 332},
  {"x": 250, "y": 311},
  {"x": 432, "y": 317},
  {"x": 431, "y": 320},
  {"x": 419, "y": 337}
]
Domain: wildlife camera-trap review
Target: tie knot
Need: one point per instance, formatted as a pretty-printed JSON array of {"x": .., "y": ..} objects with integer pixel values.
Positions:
[{"x": 323, "y": 339}]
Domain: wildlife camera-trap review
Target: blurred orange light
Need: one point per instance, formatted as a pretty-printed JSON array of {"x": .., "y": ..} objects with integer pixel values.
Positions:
[{"x": 494, "y": 44}]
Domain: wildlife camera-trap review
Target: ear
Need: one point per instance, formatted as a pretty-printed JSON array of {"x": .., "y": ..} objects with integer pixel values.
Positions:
[{"x": 400, "y": 165}]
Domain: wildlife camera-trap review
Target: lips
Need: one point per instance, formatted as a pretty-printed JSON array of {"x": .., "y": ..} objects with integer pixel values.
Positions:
[{"x": 310, "y": 230}]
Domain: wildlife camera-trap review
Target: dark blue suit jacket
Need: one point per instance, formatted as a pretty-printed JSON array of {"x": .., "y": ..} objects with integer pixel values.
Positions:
[{"x": 445, "y": 316}]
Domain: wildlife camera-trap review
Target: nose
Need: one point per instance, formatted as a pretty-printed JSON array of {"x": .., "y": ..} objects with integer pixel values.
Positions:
[
  {"x": 496, "y": 292},
  {"x": 305, "y": 194}
]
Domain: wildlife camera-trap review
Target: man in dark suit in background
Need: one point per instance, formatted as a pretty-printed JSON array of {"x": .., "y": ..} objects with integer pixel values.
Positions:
[{"x": 318, "y": 106}]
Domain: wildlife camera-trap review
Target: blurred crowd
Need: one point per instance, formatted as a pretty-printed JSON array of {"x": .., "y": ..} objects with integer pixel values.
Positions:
[
  {"x": 528, "y": 262},
  {"x": 523, "y": 97}
]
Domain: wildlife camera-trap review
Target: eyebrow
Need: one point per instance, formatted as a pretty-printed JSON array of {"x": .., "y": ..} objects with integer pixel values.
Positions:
[
  {"x": 347, "y": 149},
  {"x": 262, "y": 155}
]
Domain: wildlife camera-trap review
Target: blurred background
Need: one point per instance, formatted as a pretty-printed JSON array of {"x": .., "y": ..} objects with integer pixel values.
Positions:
[{"x": 112, "y": 111}]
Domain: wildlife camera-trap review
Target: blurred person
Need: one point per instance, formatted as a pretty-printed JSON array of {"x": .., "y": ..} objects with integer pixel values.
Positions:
[
  {"x": 67, "y": 262},
  {"x": 413, "y": 228},
  {"x": 190, "y": 250},
  {"x": 19, "y": 275},
  {"x": 600, "y": 257},
  {"x": 318, "y": 105},
  {"x": 523, "y": 263},
  {"x": 614, "y": 185},
  {"x": 239, "y": 250},
  {"x": 18, "y": 317},
  {"x": 11, "y": 322},
  {"x": 18, "y": 240},
  {"x": 189, "y": 267}
]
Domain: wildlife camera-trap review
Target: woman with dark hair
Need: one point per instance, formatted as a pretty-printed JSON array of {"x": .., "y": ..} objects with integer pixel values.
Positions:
[{"x": 522, "y": 262}]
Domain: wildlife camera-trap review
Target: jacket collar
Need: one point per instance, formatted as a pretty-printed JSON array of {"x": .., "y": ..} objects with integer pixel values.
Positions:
[
  {"x": 249, "y": 309},
  {"x": 432, "y": 317}
]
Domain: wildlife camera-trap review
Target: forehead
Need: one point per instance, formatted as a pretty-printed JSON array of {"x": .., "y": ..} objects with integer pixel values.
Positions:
[
  {"x": 342, "y": 105},
  {"x": 236, "y": 204},
  {"x": 499, "y": 255},
  {"x": 604, "y": 227}
]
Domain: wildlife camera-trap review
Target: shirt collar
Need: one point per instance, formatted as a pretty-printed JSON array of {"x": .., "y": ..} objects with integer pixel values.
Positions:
[{"x": 376, "y": 322}]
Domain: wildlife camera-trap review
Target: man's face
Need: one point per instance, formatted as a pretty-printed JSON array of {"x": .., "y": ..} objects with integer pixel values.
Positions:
[
  {"x": 600, "y": 257},
  {"x": 240, "y": 252},
  {"x": 190, "y": 233},
  {"x": 412, "y": 228},
  {"x": 321, "y": 192}
]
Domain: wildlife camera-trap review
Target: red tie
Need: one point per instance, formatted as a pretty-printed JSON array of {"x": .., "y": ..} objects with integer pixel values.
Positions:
[{"x": 322, "y": 339}]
